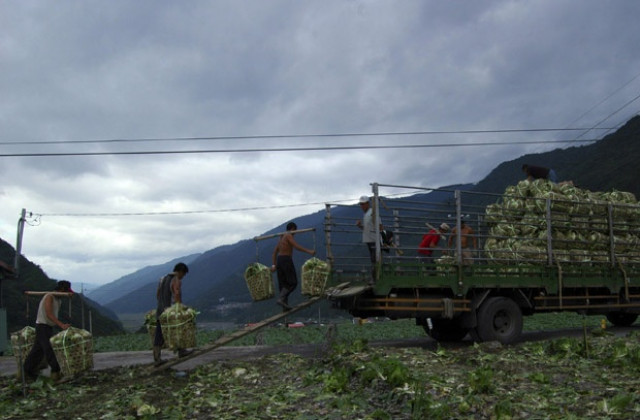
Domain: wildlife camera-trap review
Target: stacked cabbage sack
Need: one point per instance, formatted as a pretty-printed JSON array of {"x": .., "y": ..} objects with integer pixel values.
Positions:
[
  {"x": 150, "y": 322},
  {"x": 580, "y": 230},
  {"x": 21, "y": 342},
  {"x": 259, "y": 281},
  {"x": 315, "y": 273},
  {"x": 74, "y": 350},
  {"x": 178, "y": 324}
]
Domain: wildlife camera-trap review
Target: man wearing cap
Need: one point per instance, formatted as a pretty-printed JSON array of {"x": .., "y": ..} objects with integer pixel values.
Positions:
[
  {"x": 369, "y": 236},
  {"x": 46, "y": 319},
  {"x": 430, "y": 241}
]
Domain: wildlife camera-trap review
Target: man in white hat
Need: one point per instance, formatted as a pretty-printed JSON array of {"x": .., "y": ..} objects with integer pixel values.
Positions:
[{"x": 368, "y": 231}]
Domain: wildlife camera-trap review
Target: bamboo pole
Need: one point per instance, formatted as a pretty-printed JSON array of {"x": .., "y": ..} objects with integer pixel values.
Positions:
[{"x": 273, "y": 235}]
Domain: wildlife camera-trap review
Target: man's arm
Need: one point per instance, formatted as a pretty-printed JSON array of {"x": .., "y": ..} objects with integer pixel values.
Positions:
[
  {"x": 299, "y": 247},
  {"x": 274, "y": 256},
  {"x": 48, "y": 308}
]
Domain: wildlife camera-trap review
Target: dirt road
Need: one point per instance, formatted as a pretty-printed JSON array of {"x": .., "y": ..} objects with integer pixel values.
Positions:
[{"x": 8, "y": 365}]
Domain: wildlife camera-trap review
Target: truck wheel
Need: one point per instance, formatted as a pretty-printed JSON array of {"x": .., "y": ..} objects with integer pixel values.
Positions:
[
  {"x": 621, "y": 319},
  {"x": 446, "y": 330},
  {"x": 499, "y": 319}
]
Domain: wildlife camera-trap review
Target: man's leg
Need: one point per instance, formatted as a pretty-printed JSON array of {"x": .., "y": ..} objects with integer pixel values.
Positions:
[
  {"x": 32, "y": 361},
  {"x": 158, "y": 342},
  {"x": 372, "y": 255}
]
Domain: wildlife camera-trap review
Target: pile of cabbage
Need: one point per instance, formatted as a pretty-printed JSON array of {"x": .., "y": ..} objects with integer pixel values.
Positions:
[
  {"x": 178, "y": 324},
  {"x": 21, "y": 342},
  {"x": 315, "y": 273},
  {"x": 259, "y": 281},
  {"x": 150, "y": 322},
  {"x": 580, "y": 229},
  {"x": 74, "y": 350}
]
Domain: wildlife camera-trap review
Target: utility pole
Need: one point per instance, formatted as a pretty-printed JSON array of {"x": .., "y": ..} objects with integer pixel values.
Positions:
[
  {"x": 16, "y": 262},
  {"x": 82, "y": 302}
]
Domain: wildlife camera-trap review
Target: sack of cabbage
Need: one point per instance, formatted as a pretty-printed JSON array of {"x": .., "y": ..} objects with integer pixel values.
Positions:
[
  {"x": 73, "y": 348},
  {"x": 150, "y": 322},
  {"x": 21, "y": 342},
  {"x": 259, "y": 281},
  {"x": 178, "y": 324},
  {"x": 314, "y": 277}
]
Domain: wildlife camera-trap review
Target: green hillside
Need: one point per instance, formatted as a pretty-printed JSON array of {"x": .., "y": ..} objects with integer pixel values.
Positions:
[{"x": 33, "y": 278}]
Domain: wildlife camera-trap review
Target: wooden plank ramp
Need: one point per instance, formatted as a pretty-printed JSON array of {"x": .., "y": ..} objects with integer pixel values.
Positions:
[{"x": 226, "y": 339}]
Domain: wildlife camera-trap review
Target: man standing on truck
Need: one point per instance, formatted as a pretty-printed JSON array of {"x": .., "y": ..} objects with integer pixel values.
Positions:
[
  {"x": 369, "y": 236},
  {"x": 539, "y": 172},
  {"x": 429, "y": 242},
  {"x": 466, "y": 236}
]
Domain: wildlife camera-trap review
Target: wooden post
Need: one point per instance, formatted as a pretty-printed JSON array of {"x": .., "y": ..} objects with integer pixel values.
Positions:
[{"x": 16, "y": 262}]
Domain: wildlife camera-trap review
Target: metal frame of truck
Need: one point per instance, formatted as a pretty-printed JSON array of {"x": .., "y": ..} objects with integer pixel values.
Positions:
[{"x": 488, "y": 298}]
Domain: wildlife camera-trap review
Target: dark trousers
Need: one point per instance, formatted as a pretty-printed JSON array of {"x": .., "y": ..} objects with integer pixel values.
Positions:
[
  {"x": 41, "y": 348},
  {"x": 158, "y": 339},
  {"x": 287, "y": 277},
  {"x": 371, "y": 246}
]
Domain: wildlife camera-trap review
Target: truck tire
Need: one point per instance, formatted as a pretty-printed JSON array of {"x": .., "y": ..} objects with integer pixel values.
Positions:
[
  {"x": 499, "y": 319},
  {"x": 621, "y": 319},
  {"x": 446, "y": 330}
]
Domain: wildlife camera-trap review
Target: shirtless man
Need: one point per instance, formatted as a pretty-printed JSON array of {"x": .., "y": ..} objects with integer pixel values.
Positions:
[
  {"x": 283, "y": 263},
  {"x": 465, "y": 233}
]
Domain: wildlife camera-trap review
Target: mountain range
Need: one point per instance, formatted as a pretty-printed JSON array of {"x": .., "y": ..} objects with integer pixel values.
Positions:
[
  {"x": 216, "y": 277},
  {"x": 215, "y": 284}
]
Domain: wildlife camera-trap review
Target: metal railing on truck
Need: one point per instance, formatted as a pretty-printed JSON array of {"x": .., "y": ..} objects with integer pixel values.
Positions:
[{"x": 520, "y": 239}]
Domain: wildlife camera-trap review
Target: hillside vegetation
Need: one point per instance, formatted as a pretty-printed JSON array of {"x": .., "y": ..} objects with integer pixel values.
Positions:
[{"x": 33, "y": 278}]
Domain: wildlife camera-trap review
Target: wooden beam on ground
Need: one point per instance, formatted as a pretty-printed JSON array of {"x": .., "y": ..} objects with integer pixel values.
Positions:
[{"x": 226, "y": 339}]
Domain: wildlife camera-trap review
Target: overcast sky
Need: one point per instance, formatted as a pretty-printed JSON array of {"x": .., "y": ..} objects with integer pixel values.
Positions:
[{"x": 78, "y": 71}]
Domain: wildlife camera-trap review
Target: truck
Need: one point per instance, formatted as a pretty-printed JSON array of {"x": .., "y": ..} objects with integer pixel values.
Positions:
[{"x": 541, "y": 247}]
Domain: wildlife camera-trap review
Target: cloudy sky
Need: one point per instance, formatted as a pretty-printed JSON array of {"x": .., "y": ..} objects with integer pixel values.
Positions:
[{"x": 83, "y": 82}]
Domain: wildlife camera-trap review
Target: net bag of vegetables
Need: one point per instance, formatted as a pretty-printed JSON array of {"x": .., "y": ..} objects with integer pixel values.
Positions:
[
  {"x": 21, "y": 342},
  {"x": 259, "y": 281},
  {"x": 315, "y": 273},
  {"x": 150, "y": 323},
  {"x": 73, "y": 348},
  {"x": 178, "y": 324}
]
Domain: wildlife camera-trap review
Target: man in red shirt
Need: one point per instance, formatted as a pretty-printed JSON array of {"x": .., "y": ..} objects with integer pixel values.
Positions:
[{"x": 430, "y": 242}]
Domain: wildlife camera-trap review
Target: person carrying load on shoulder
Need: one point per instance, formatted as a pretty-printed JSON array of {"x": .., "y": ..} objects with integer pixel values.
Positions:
[
  {"x": 169, "y": 289},
  {"x": 283, "y": 263},
  {"x": 46, "y": 319}
]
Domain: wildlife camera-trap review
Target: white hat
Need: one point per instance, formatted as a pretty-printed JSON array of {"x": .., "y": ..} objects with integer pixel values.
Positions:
[
  {"x": 444, "y": 227},
  {"x": 363, "y": 199}
]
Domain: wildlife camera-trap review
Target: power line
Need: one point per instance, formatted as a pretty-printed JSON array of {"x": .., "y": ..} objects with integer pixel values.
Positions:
[
  {"x": 287, "y": 136},
  {"x": 611, "y": 115},
  {"x": 184, "y": 212},
  {"x": 601, "y": 102},
  {"x": 294, "y": 149},
  {"x": 164, "y": 213}
]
